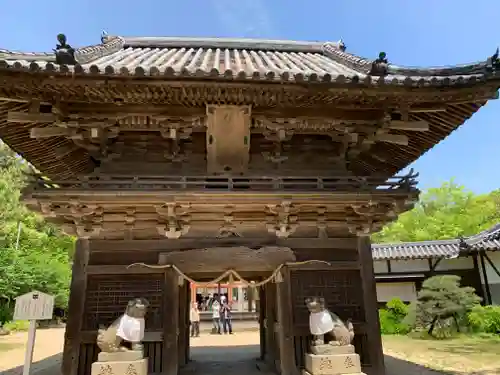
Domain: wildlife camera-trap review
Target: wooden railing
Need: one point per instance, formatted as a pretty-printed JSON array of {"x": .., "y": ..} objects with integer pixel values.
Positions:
[{"x": 405, "y": 183}]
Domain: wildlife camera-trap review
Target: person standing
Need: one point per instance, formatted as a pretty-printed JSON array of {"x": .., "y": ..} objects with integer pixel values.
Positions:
[
  {"x": 216, "y": 315},
  {"x": 194, "y": 318},
  {"x": 226, "y": 318}
]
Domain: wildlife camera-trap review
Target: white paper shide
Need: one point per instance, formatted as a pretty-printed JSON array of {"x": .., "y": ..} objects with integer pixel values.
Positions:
[
  {"x": 131, "y": 329},
  {"x": 320, "y": 322}
]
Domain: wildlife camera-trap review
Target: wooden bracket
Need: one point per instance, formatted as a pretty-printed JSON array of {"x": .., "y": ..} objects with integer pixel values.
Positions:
[
  {"x": 363, "y": 229},
  {"x": 86, "y": 231},
  {"x": 322, "y": 223},
  {"x": 282, "y": 220},
  {"x": 228, "y": 229},
  {"x": 177, "y": 220}
]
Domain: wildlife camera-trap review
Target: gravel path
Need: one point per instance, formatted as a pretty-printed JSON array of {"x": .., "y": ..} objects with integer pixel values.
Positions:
[
  {"x": 47, "y": 354},
  {"x": 210, "y": 354}
]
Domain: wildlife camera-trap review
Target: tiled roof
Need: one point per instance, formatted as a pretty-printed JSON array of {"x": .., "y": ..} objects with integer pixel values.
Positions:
[
  {"x": 416, "y": 250},
  {"x": 487, "y": 240},
  {"x": 239, "y": 59}
]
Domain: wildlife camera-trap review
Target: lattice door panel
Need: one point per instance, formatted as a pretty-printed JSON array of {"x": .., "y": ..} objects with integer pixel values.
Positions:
[
  {"x": 341, "y": 289},
  {"x": 107, "y": 297}
]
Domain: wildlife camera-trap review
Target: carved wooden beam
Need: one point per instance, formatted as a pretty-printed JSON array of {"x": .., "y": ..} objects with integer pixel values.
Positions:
[
  {"x": 26, "y": 117},
  {"x": 88, "y": 231},
  {"x": 72, "y": 209},
  {"x": 364, "y": 229},
  {"x": 415, "y": 126},
  {"x": 397, "y": 139},
  {"x": 52, "y": 131}
]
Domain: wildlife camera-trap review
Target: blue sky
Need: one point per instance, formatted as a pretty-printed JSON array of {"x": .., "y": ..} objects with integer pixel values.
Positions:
[{"x": 418, "y": 32}]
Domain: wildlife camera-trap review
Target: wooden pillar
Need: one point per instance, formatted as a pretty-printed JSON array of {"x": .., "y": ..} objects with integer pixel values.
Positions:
[
  {"x": 193, "y": 292},
  {"x": 370, "y": 306},
  {"x": 486, "y": 282},
  {"x": 480, "y": 289},
  {"x": 188, "y": 313},
  {"x": 250, "y": 298},
  {"x": 171, "y": 323},
  {"x": 270, "y": 302},
  {"x": 285, "y": 332},
  {"x": 78, "y": 287},
  {"x": 262, "y": 326},
  {"x": 183, "y": 339}
]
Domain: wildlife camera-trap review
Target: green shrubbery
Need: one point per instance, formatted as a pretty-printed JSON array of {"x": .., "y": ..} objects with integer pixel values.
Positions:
[
  {"x": 485, "y": 319},
  {"x": 443, "y": 308},
  {"x": 393, "y": 318},
  {"x": 17, "y": 325}
]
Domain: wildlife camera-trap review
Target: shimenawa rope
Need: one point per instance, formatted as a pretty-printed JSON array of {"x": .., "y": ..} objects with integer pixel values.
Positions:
[{"x": 276, "y": 276}]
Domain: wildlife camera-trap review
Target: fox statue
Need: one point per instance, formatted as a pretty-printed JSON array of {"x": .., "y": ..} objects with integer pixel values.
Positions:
[{"x": 323, "y": 322}]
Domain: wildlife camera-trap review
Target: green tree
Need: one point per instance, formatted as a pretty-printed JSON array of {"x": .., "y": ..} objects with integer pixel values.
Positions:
[
  {"x": 442, "y": 302},
  {"x": 449, "y": 211},
  {"x": 40, "y": 258}
]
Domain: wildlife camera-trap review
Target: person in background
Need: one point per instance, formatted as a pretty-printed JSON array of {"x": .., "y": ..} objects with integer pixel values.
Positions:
[
  {"x": 216, "y": 306},
  {"x": 225, "y": 315},
  {"x": 194, "y": 318}
]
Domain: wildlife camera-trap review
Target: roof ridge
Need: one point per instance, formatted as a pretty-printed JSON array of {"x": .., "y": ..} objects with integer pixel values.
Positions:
[
  {"x": 481, "y": 236},
  {"x": 451, "y": 241},
  {"x": 227, "y": 43},
  {"x": 28, "y": 56},
  {"x": 108, "y": 45},
  {"x": 338, "y": 53},
  {"x": 469, "y": 240}
]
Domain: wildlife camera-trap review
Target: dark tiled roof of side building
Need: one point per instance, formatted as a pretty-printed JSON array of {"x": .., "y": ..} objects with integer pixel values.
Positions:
[
  {"x": 243, "y": 59},
  {"x": 487, "y": 240}
]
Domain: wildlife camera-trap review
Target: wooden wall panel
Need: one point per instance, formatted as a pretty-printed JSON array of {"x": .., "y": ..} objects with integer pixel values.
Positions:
[
  {"x": 107, "y": 297},
  {"x": 105, "y": 300}
]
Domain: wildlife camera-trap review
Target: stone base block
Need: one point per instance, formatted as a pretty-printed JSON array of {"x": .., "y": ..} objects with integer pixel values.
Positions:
[
  {"x": 332, "y": 349},
  {"x": 130, "y": 355},
  {"x": 305, "y": 372},
  {"x": 139, "y": 367},
  {"x": 333, "y": 364}
]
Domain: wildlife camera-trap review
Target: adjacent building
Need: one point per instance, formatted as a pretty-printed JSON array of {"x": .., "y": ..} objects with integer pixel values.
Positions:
[{"x": 401, "y": 268}]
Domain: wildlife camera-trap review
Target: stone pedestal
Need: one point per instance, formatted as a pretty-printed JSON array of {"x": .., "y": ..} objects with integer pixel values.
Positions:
[
  {"x": 332, "y": 360},
  {"x": 120, "y": 363}
]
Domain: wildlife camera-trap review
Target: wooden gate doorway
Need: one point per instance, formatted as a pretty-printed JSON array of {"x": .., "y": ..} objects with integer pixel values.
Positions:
[
  {"x": 230, "y": 351},
  {"x": 249, "y": 350}
]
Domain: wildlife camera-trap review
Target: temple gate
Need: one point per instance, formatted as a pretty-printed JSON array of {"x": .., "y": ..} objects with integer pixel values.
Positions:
[{"x": 150, "y": 149}]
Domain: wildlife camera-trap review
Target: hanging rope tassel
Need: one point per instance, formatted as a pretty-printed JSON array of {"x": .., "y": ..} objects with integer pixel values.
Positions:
[{"x": 278, "y": 278}]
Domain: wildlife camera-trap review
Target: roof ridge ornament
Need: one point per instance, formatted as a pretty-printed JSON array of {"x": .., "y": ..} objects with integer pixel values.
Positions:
[
  {"x": 104, "y": 36},
  {"x": 380, "y": 66},
  {"x": 65, "y": 54},
  {"x": 493, "y": 62},
  {"x": 341, "y": 45},
  {"x": 462, "y": 244}
]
